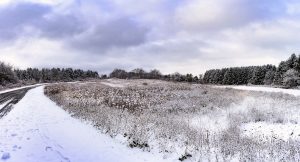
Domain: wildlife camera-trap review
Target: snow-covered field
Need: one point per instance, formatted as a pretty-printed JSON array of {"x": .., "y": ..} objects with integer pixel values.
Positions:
[
  {"x": 187, "y": 121},
  {"x": 150, "y": 120},
  {"x": 37, "y": 130},
  {"x": 273, "y": 130}
]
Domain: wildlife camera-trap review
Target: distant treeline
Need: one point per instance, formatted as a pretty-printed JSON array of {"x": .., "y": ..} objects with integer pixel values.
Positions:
[
  {"x": 33, "y": 75},
  {"x": 55, "y": 74},
  {"x": 286, "y": 74},
  {"x": 153, "y": 74}
]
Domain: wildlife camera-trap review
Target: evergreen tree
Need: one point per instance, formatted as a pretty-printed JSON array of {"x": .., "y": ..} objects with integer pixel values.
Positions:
[
  {"x": 278, "y": 77},
  {"x": 228, "y": 77},
  {"x": 291, "y": 78},
  {"x": 291, "y": 62},
  {"x": 270, "y": 74}
]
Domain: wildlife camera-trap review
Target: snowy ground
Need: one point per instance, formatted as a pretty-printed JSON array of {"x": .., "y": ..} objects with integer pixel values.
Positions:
[
  {"x": 263, "y": 131},
  {"x": 265, "y": 89},
  {"x": 121, "y": 83},
  {"x": 113, "y": 84},
  {"x": 267, "y": 130},
  {"x": 37, "y": 130}
]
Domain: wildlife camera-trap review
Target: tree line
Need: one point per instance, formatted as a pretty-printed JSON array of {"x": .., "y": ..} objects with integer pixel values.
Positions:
[
  {"x": 287, "y": 74},
  {"x": 139, "y": 73},
  {"x": 54, "y": 74},
  {"x": 8, "y": 75}
]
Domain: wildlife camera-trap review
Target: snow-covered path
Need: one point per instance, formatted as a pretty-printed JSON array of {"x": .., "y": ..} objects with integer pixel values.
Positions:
[{"x": 37, "y": 130}]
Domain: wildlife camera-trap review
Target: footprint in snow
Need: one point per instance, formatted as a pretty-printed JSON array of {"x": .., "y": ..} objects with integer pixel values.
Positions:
[
  {"x": 16, "y": 147},
  {"x": 14, "y": 134},
  {"x": 5, "y": 156},
  {"x": 48, "y": 148}
]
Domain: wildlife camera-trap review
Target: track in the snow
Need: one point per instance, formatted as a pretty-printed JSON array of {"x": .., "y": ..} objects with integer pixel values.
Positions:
[{"x": 11, "y": 98}]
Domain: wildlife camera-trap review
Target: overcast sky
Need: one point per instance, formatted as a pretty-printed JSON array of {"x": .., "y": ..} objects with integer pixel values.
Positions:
[{"x": 170, "y": 35}]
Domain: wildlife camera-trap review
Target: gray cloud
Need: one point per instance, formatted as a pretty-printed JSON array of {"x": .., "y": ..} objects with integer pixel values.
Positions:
[
  {"x": 71, "y": 28},
  {"x": 15, "y": 17},
  {"x": 119, "y": 33},
  {"x": 184, "y": 36},
  {"x": 60, "y": 26},
  {"x": 215, "y": 15}
]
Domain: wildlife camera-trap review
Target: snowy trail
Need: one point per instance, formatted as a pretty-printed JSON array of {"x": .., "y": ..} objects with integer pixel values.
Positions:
[{"x": 37, "y": 130}]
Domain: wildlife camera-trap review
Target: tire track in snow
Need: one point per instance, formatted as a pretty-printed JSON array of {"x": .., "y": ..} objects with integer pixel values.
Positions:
[{"x": 11, "y": 98}]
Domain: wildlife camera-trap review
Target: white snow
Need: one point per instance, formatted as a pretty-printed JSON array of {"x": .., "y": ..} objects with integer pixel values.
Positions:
[
  {"x": 5, "y": 156},
  {"x": 37, "y": 130},
  {"x": 294, "y": 92},
  {"x": 267, "y": 131},
  {"x": 113, "y": 84},
  {"x": 14, "y": 89}
]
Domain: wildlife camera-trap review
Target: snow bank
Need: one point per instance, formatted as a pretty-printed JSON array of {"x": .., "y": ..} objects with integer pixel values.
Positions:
[
  {"x": 294, "y": 92},
  {"x": 14, "y": 89},
  {"x": 38, "y": 130}
]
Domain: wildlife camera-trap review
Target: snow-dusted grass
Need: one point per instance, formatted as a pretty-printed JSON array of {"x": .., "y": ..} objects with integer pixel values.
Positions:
[
  {"x": 37, "y": 130},
  {"x": 178, "y": 119}
]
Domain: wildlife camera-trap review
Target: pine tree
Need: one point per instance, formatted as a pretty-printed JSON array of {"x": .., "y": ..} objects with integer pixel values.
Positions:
[
  {"x": 297, "y": 64},
  {"x": 269, "y": 77},
  {"x": 278, "y": 77},
  {"x": 291, "y": 78},
  {"x": 228, "y": 77}
]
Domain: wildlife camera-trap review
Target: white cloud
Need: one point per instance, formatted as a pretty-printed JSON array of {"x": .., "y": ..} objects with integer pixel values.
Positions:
[
  {"x": 36, "y": 53},
  {"x": 48, "y": 2},
  {"x": 4, "y": 2},
  {"x": 219, "y": 14},
  {"x": 199, "y": 13},
  {"x": 293, "y": 8}
]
